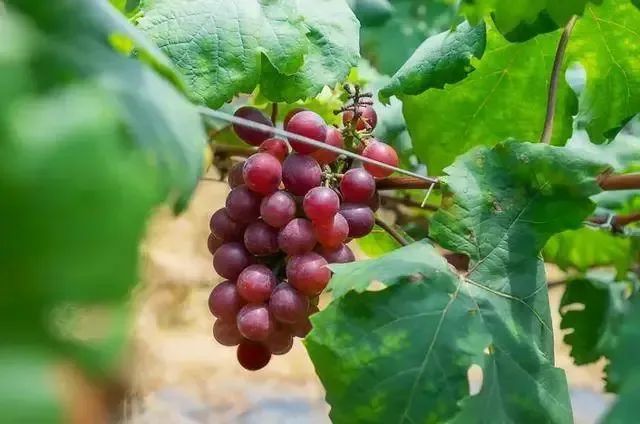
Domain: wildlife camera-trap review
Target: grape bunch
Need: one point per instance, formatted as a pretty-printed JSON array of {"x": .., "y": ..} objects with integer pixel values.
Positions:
[{"x": 289, "y": 214}]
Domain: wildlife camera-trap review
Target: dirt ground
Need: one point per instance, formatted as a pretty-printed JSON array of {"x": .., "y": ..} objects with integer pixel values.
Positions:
[{"x": 180, "y": 375}]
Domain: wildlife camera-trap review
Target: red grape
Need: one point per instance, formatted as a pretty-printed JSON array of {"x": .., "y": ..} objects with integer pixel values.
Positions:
[
  {"x": 225, "y": 301},
  {"x": 276, "y": 147},
  {"x": 230, "y": 259},
  {"x": 213, "y": 243},
  {"x": 321, "y": 204},
  {"x": 254, "y": 322},
  {"x": 235, "y": 177},
  {"x": 287, "y": 304},
  {"x": 308, "y": 124},
  {"x": 357, "y": 186},
  {"x": 334, "y": 138},
  {"x": 224, "y": 227},
  {"x": 359, "y": 217},
  {"x": 226, "y": 332},
  {"x": 255, "y": 283},
  {"x": 297, "y": 237},
  {"x": 290, "y": 115},
  {"x": 253, "y": 356},
  {"x": 303, "y": 327},
  {"x": 280, "y": 341},
  {"x": 278, "y": 209},
  {"x": 382, "y": 153},
  {"x": 250, "y": 135},
  {"x": 308, "y": 273},
  {"x": 243, "y": 204},
  {"x": 333, "y": 233},
  {"x": 261, "y": 239},
  {"x": 262, "y": 173},
  {"x": 367, "y": 120},
  {"x": 300, "y": 173},
  {"x": 341, "y": 255}
]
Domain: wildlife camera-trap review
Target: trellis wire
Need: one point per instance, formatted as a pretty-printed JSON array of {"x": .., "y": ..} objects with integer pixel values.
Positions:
[{"x": 216, "y": 114}]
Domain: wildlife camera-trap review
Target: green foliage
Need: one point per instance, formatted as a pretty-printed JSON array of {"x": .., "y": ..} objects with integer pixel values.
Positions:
[
  {"x": 487, "y": 107},
  {"x": 592, "y": 308},
  {"x": 499, "y": 211},
  {"x": 624, "y": 370},
  {"x": 377, "y": 243},
  {"x": 82, "y": 169},
  {"x": 371, "y": 12},
  {"x": 292, "y": 49},
  {"x": 520, "y": 20},
  {"x": 390, "y": 45},
  {"x": 441, "y": 59},
  {"x": 606, "y": 42}
]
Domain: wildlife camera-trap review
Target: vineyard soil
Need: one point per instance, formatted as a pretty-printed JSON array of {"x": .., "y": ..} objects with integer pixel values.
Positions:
[{"x": 180, "y": 373}]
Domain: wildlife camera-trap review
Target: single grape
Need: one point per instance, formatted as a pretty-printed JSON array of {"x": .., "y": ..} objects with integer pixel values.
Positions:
[
  {"x": 367, "y": 120},
  {"x": 300, "y": 173},
  {"x": 243, "y": 204},
  {"x": 225, "y": 301},
  {"x": 254, "y": 322},
  {"x": 278, "y": 209},
  {"x": 308, "y": 273},
  {"x": 213, "y": 243},
  {"x": 276, "y": 147},
  {"x": 255, "y": 283},
  {"x": 374, "y": 202},
  {"x": 261, "y": 239},
  {"x": 287, "y": 304},
  {"x": 262, "y": 173},
  {"x": 226, "y": 332},
  {"x": 359, "y": 217},
  {"x": 308, "y": 124},
  {"x": 250, "y": 135},
  {"x": 230, "y": 259},
  {"x": 304, "y": 327},
  {"x": 382, "y": 153},
  {"x": 280, "y": 341},
  {"x": 253, "y": 356},
  {"x": 290, "y": 115},
  {"x": 320, "y": 204},
  {"x": 333, "y": 233},
  {"x": 297, "y": 237},
  {"x": 334, "y": 138},
  {"x": 341, "y": 255},
  {"x": 224, "y": 227},
  {"x": 235, "y": 177},
  {"x": 357, "y": 186}
]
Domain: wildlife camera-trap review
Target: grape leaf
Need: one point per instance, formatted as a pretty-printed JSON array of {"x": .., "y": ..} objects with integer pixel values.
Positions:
[
  {"x": 480, "y": 109},
  {"x": 390, "y": 45},
  {"x": 596, "y": 324},
  {"x": 402, "y": 354},
  {"x": 624, "y": 369},
  {"x": 442, "y": 59},
  {"x": 605, "y": 42},
  {"x": 159, "y": 118},
  {"x": 228, "y": 48},
  {"x": 520, "y": 20},
  {"x": 586, "y": 248},
  {"x": 377, "y": 243},
  {"x": 371, "y": 12}
]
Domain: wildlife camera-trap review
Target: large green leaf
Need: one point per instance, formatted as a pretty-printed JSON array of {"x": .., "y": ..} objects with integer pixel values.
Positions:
[
  {"x": 292, "y": 48},
  {"x": 390, "y": 45},
  {"x": 624, "y": 370},
  {"x": 481, "y": 108},
  {"x": 79, "y": 46},
  {"x": 592, "y": 308},
  {"x": 520, "y": 20},
  {"x": 606, "y": 43},
  {"x": 442, "y": 59},
  {"x": 402, "y": 354},
  {"x": 586, "y": 248}
]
